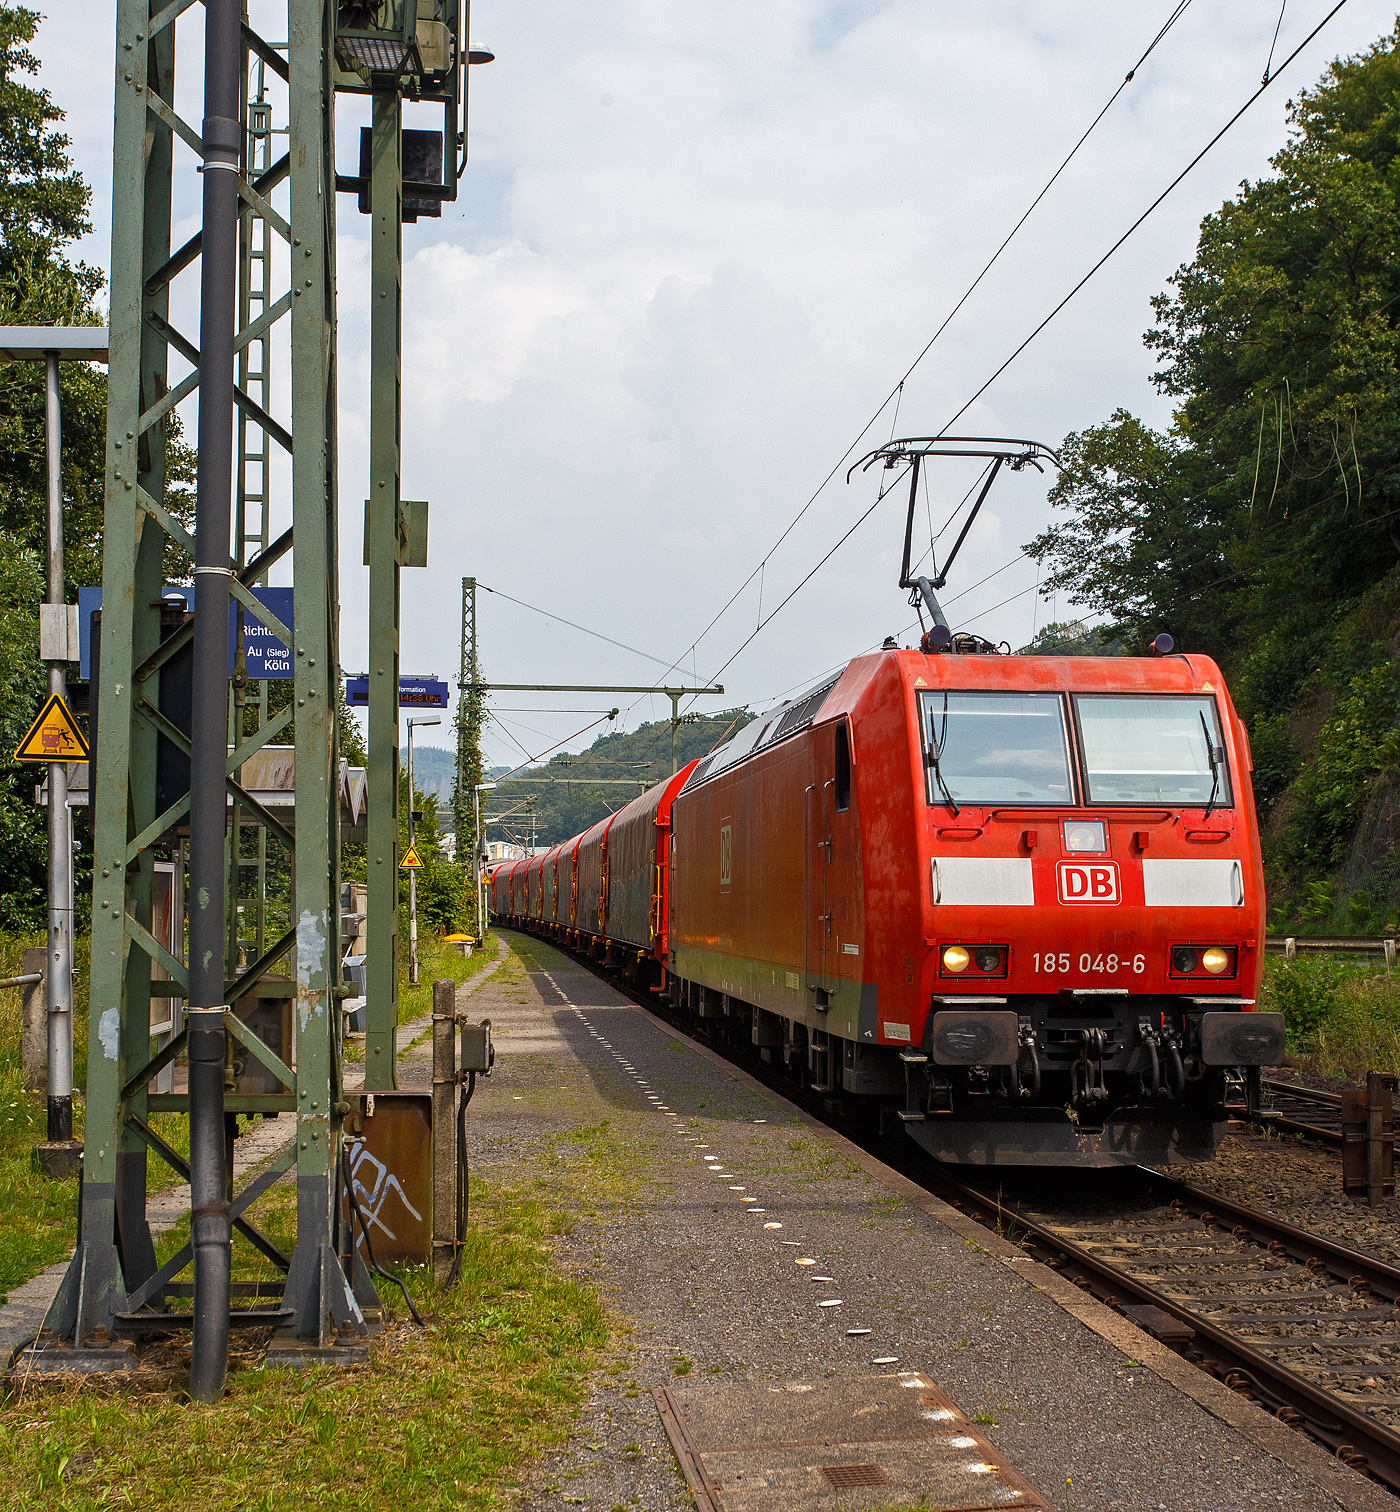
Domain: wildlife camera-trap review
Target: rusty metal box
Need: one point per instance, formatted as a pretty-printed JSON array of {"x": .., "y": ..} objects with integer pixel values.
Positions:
[{"x": 390, "y": 1137}]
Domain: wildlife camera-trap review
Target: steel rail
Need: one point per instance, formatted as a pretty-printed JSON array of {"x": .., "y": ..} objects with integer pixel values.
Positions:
[
  {"x": 1304, "y": 1094},
  {"x": 1328, "y": 1100},
  {"x": 1351, "y": 1435},
  {"x": 1307, "y": 1130},
  {"x": 1353, "y": 1266}
]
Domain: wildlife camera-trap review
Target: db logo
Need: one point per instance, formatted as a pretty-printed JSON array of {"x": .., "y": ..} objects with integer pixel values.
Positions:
[{"x": 1088, "y": 881}]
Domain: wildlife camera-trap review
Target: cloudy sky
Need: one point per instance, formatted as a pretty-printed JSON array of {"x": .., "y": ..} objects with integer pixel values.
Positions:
[{"x": 696, "y": 249}]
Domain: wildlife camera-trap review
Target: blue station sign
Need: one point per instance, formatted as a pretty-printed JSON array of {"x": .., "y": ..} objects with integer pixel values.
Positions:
[
  {"x": 414, "y": 692},
  {"x": 267, "y": 657}
]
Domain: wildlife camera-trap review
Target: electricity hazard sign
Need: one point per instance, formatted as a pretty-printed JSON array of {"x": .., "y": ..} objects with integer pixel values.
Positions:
[
  {"x": 410, "y": 862},
  {"x": 54, "y": 736}
]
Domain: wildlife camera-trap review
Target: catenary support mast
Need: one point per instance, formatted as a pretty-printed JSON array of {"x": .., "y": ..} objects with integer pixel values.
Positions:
[
  {"x": 170, "y": 743},
  {"x": 153, "y": 722}
]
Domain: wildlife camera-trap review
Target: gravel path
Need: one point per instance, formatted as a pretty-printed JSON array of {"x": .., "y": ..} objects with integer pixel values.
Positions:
[{"x": 702, "y": 1162}]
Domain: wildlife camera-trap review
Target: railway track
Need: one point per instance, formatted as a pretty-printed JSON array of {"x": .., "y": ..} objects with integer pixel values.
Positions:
[
  {"x": 1304, "y": 1110},
  {"x": 1307, "y": 1328}
]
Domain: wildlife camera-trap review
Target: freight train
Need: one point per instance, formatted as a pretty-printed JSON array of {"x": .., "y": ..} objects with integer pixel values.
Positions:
[{"x": 1015, "y": 903}]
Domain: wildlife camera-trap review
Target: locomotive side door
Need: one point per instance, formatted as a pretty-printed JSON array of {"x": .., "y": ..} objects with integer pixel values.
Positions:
[
  {"x": 817, "y": 873},
  {"x": 671, "y": 901}
]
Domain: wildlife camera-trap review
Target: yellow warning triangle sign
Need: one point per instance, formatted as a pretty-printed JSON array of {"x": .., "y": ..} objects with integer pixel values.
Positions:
[
  {"x": 410, "y": 862},
  {"x": 54, "y": 736},
  {"x": 920, "y": 683}
]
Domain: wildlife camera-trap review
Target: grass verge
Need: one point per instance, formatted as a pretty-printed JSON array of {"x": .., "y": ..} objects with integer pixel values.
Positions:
[
  {"x": 438, "y": 959},
  {"x": 438, "y": 1418},
  {"x": 40, "y": 1215},
  {"x": 435, "y": 959}
]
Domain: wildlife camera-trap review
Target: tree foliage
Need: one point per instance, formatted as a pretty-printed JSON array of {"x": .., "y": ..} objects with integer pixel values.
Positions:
[
  {"x": 569, "y": 804},
  {"x": 23, "y": 843},
  {"x": 1262, "y": 526},
  {"x": 43, "y": 209},
  {"x": 1278, "y": 484}
]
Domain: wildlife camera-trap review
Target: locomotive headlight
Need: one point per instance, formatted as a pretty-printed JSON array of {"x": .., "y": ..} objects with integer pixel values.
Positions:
[
  {"x": 1215, "y": 960},
  {"x": 1184, "y": 960},
  {"x": 955, "y": 958},
  {"x": 988, "y": 958}
]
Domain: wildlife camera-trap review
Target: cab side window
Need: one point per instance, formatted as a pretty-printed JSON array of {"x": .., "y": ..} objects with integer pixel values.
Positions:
[{"x": 843, "y": 768}]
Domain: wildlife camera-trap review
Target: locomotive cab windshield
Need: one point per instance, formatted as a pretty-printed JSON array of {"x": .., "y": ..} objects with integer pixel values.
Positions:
[
  {"x": 1161, "y": 749},
  {"x": 1013, "y": 748},
  {"x": 996, "y": 748}
]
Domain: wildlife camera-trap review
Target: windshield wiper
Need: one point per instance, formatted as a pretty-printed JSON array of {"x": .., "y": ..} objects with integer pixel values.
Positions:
[
  {"x": 1216, "y": 755},
  {"x": 933, "y": 759}
]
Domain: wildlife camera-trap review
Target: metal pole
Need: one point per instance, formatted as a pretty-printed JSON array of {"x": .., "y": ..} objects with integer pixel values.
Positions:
[
  {"x": 209, "y": 1208},
  {"x": 675, "y": 725},
  {"x": 476, "y": 865},
  {"x": 444, "y": 1131},
  {"x": 60, "y": 966},
  {"x": 413, "y": 874},
  {"x": 382, "y": 984}
]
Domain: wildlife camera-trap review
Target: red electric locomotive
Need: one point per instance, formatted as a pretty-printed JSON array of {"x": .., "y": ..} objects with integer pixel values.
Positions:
[{"x": 1016, "y": 901}]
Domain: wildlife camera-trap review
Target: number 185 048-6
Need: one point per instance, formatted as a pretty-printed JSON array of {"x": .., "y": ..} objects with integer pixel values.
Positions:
[{"x": 1052, "y": 962}]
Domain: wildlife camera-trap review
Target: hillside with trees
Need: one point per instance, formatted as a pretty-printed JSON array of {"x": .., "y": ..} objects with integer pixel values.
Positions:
[
  {"x": 1262, "y": 527},
  {"x": 565, "y": 803}
]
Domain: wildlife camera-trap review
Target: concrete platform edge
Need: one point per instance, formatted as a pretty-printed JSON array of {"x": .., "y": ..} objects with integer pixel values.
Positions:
[{"x": 1351, "y": 1490}]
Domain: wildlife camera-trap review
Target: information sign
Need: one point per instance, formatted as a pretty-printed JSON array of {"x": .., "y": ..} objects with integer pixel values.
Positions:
[
  {"x": 414, "y": 692},
  {"x": 54, "y": 736}
]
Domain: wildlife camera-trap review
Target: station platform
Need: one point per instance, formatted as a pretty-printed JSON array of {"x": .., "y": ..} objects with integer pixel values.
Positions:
[{"x": 804, "y": 1327}]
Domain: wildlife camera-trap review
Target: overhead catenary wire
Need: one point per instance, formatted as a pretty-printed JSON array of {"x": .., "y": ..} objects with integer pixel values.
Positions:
[
  {"x": 530, "y": 760},
  {"x": 505, "y": 730},
  {"x": 1048, "y": 318},
  {"x": 763, "y": 624},
  {"x": 1041, "y": 325},
  {"x": 1177, "y": 12},
  {"x": 1269, "y": 61},
  {"x": 1214, "y": 585},
  {"x": 814, "y": 680},
  {"x": 560, "y": 620},
  {"x": 896, "y": 392}
]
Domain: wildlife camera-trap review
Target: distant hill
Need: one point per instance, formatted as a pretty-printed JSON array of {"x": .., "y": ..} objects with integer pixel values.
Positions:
[
  {"x": 567, "y": 806},
  {"x": 434, "y": 771}
]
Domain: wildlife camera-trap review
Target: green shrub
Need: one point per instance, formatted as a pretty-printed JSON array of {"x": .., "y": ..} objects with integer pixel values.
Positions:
[
  {"x": 1342, "y": 1017},
  {"x": 1351, "y": 747},
  {"x": 1362, "y": 1032},
  {"x": 1276, "y": 757},
  {"x": 1305, "y": 992}
]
